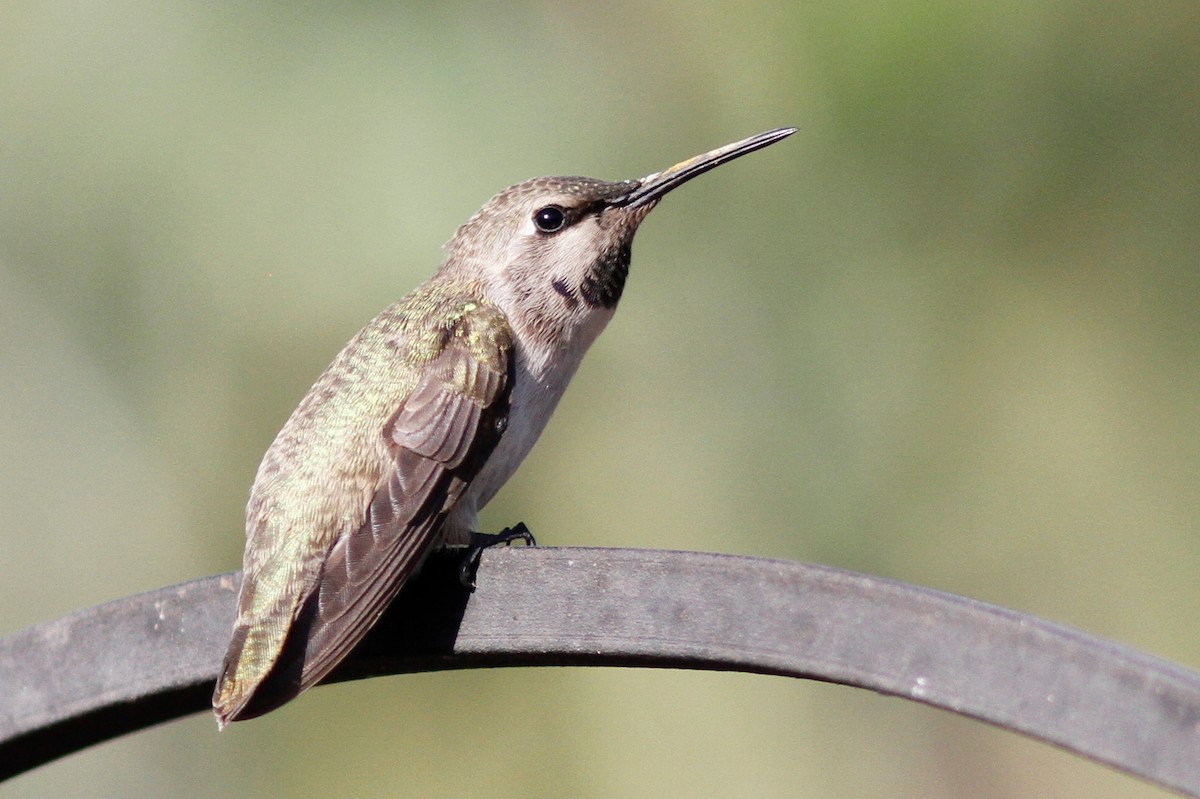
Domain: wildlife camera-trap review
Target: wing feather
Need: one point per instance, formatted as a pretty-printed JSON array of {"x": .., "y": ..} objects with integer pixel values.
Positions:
[
  {"x": 433, "y": 454},
  {"x": 437, "y": 440}
]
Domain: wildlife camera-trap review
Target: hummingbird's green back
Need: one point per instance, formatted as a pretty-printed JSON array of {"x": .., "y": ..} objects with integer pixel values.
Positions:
[{"x": 349, "y": 496}]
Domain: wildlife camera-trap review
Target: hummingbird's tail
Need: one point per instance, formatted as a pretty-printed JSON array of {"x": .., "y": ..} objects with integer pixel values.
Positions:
[
  {"x": 257, "y": 674},
  {"x": 276, "y": 656}
]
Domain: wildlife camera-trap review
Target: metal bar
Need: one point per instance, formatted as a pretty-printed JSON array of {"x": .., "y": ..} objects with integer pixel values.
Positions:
[{"x": 115, "y": 668}]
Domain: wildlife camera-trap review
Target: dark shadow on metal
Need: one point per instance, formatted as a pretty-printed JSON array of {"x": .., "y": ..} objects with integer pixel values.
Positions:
[{"x": 108, "y": 670}]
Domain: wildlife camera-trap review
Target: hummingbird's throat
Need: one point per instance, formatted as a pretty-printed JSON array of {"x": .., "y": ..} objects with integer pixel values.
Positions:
[{"x": 602, "y": 286}]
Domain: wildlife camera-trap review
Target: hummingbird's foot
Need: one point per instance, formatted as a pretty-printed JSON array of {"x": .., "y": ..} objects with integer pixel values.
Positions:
[{"x": 481, "y": 541}]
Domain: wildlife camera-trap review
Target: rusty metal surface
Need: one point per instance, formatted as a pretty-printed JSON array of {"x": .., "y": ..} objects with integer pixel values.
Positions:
[{"x": 115, "y": 668}]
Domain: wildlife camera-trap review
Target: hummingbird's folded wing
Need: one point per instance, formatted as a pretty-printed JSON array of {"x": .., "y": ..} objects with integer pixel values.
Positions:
[{"x": 437, "y": 439}]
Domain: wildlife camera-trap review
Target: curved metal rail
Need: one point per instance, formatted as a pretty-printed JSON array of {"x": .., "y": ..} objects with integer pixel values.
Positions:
[{"x": 104, "y": 671}]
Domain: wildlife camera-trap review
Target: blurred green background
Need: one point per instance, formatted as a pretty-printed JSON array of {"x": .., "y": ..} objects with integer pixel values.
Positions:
[{"x": 948, "y": 333}]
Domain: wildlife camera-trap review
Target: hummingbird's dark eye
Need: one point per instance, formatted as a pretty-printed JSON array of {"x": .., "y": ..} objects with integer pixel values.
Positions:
[{"x": 549, "y": 219}]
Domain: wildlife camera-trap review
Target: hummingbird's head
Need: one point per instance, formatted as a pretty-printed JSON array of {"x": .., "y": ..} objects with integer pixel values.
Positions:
[{"x": 553, "y": 253}]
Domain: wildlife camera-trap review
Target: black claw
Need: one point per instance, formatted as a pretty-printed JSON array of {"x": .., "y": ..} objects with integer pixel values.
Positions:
[
  {"x": 467, "y": 567},
  {"x": 481, "y": 541}
]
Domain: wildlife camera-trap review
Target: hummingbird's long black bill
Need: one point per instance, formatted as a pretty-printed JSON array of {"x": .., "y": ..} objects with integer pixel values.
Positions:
[{"x": 654, "y": 186}]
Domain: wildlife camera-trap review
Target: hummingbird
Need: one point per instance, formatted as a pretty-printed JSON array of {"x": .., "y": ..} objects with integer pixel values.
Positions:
[{"x": 422, "y": 417}]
